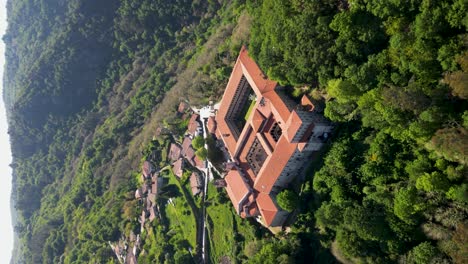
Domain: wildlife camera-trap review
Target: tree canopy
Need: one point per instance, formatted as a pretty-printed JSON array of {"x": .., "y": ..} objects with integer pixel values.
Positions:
[{"x": 288, "y": 200}]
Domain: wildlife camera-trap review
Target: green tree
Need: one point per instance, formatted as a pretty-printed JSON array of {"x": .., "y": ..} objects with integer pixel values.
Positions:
[
  {"x": 431, "y": 182},
  {"x": 300, "y": 54},
  {"x": 344, "y": 91},
  {"x": 252, "y": 247},
  {"x": 422, "y": 253},
  {"x": 288, "y": 200},
  {"x": 198, "y": 142},
  {"x": 182, "y": 256},
  {"x": 329, "y": 215},
  {"x": 339, "y": 112},
  {"x": 407, "y": 205},
  {"x": 350, "y": 243},
  {"x": 458, "y": 193},
  {"x": 276, "y": 251},
  {"x": 369, "y": 223}
]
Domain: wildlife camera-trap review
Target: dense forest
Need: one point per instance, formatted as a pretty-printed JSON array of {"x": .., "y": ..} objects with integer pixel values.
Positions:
[
  {"x": 87, "y": 85},
  {"x": 393, "y": 184}
]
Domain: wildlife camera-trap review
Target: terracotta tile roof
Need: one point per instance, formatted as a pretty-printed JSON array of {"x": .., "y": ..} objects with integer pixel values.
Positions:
[
  {"x": 182, "y": 107},
  {"x": 267, "y": 208},
  {"x": 243, "y": 138},
  {"x": 310, "y": 130},
  {"x": 158, "y": 131},
  {"x": 144, "y": 189},
  {"x": 192, "y": 162},
  {"x": 186, "y": 145},
  {"x": 236, "y": 188},
  {"x": 278, "y": 107},
  {"x": 178, "y": 167},
  {"x": 143, "y": 217},
  {"x": 256, "y": 120},
  {"x": 269, "y": 123},
  {"x": 200, "y": 164},
  {"x": 152, "y": 197},
  {"x": 138, "y": 194},
  {"x": 152, "y": 211},
  {"x": 195, "y": 183},
  {"x": 259, "y": 82},
  {"x": 146, "y": 169},
  {"x": 224, "y": 130},
  {"x": 274, "y": 165},
  {"x": 265, "y": 144},
  {"x": 211, "y": 125},
  {"x": 244, "y": 66},
  {"x": 293, "y": 124},
  {"x": 174, "y": 152},
  {"x": 190, "y": 155},
  {"x": 307, "y": 103},
  {"x": 154, "y": 186},
  {"x": 193, "y": 124},
  {"x": 273, "y": 110},
  {"x": 264, "y": 107},
  {"x": 187, "y": 150},
  {"x": 130, "y": 258}
]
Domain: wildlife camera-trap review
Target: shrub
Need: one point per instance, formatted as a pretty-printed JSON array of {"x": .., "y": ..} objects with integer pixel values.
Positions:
[
  {"x": 198, "y": 142},
  {"x": 201, "y": 153}
]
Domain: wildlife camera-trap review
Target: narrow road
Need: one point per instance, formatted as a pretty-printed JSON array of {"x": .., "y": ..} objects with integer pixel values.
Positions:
[
  {"x": 205, "y": 194},
  {"x": 205, "y": 113}
]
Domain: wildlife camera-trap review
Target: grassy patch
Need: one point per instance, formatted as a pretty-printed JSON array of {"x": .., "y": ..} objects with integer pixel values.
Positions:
[
  {"x": 221, "y": 232},
  {"x": 245, "y": 230},
  {"x": 180, "y": 216},
  {"x": 249, "y": 110},
  {"x": 228, "y": 231}
]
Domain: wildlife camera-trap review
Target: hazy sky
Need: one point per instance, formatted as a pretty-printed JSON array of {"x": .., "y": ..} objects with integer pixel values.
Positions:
[{"x": 6, "y": 229}]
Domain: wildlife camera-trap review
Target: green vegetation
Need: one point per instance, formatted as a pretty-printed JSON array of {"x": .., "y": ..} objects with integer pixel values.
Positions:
[
  {"x": 228, "y": 233},
  {"x": 401, "y": 141},
  {"x": 87, "y": 85},
  {"x": 202, "y": 153},
  {"x": 393, "y": 76},
  {"x": 271, "y": 251},
  {"x": 198, "y": 142},
  {"x": 287, "y": 200},
  {"x": 249, "y": 110},
  {"x": 170, "y": 236},
  {"x": 180, "y": 216}
]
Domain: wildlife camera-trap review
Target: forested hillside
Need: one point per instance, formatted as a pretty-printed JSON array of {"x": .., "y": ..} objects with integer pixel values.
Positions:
[
  {"x": 88, "y": 83},
  {"x": 393, "y": 185},
  {"x": 82, "y": 85}
]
